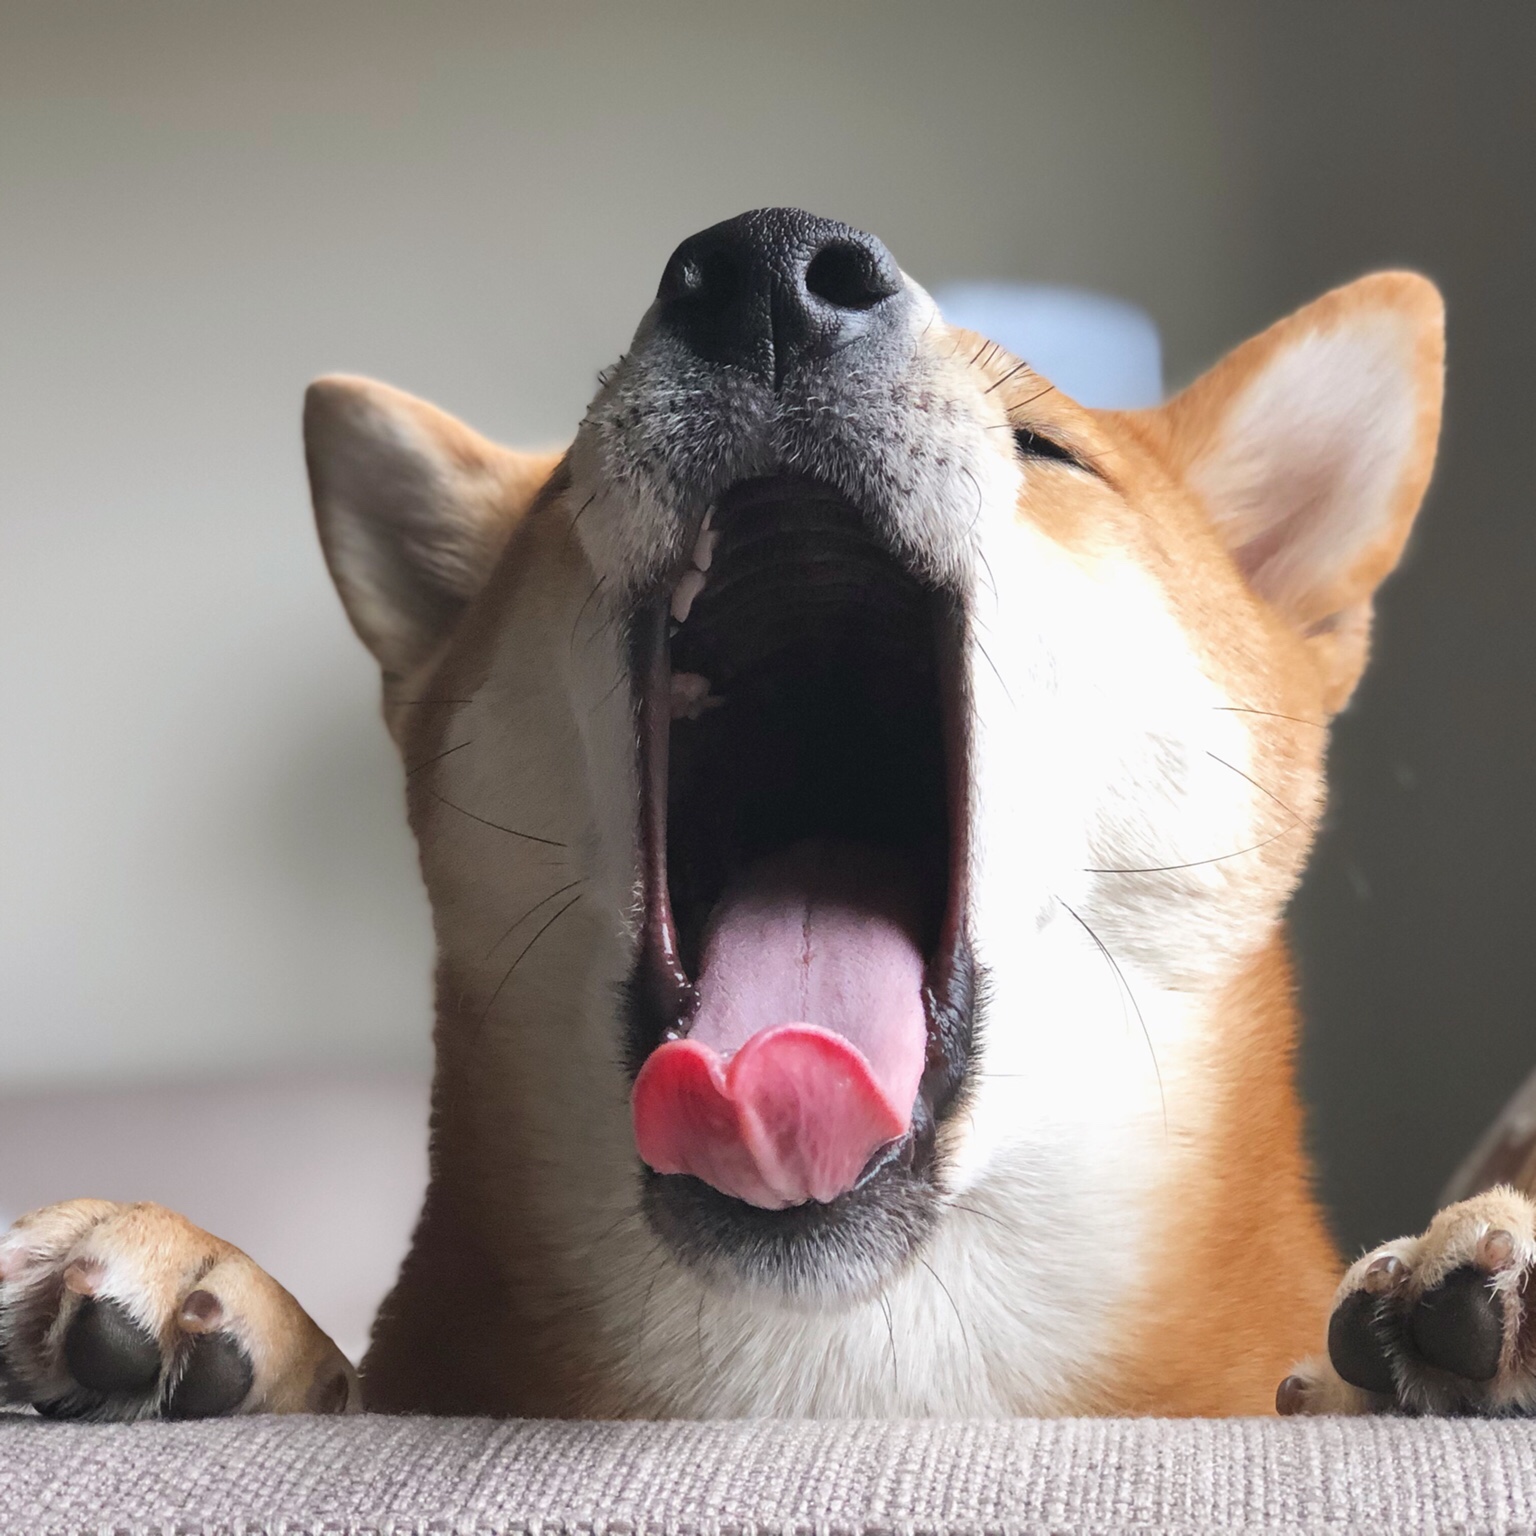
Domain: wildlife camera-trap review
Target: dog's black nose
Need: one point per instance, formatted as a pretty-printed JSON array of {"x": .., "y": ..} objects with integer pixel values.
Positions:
[{"x": 775, "y": 287}]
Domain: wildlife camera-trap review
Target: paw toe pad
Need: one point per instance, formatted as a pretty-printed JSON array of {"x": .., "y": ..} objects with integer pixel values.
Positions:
[
  {"x": 1458, "y": 1326},
  {"x": 1356, "y": 1347},
  {"x": 108, "y": 1352},
  {"x": 214, "y": 1381}
]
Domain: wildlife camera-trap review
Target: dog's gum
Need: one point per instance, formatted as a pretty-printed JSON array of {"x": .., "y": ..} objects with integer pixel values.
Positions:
[{"x": 688, "y": 588}]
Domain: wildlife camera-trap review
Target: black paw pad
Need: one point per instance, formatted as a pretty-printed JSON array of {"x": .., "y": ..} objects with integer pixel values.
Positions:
[
  {"x": 1355, "y": 1347},
  {"x": 214, "y": 1381},
  {"x": 1459, "y": 1325},
  {"x": 107, "y": 1352}
]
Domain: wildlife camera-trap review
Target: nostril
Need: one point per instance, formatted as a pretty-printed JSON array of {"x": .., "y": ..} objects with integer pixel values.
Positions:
[
  {"x": 850, "y": 276},
  {"x": 708, "y": 279},
  {"x": 683, "y": 277}
]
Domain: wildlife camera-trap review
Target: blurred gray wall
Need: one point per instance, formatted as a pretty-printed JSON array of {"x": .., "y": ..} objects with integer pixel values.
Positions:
[
  {"x": 203, "y": 868},
  {"x": 1370, "y": 133}
]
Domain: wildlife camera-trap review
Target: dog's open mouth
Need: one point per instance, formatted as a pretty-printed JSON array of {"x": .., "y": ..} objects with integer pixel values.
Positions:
[{"x": 803, "y": 785}]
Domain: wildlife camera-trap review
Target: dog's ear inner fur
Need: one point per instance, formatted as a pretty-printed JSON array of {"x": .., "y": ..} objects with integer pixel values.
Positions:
[
  {"x": 1312, "y": 446},
  {"x": 413, "y": 510}
]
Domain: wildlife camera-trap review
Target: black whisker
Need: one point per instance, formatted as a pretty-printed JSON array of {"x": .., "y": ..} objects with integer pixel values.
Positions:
[
  {"x": 998, "y": 675},
  {"x": 965, "y": 1332},
  {"x": 890, "y": 1328},
  {"x": 523, "y": 952},
  {"x": 1273, "y": 714},
  {"x": 1146, "y": 1034},
  {"x": 608, "y": 1231},
  {"x": 597, "y": 587},
  {"x": 1039, "y": 394},
  {"x": 618, "y": 683},
  {"x": 582, "y": 508},
  {"x": 986, "y": 565},
  {"x": 495, "y": 826},
  {"x": 529, "y": 913},
  {"x": 1012, "y": 373},
  {"x": 980, "y": 499},
  {"x": 645, "y": 1305},
  {"x": 1221, "y": 858},
  {"x": 412, "y": 703},
  {"x": 981, "y": 554},
  {"x": 437, "y": 758},
  {"x": 970, "y": 1210},
  {"x": 1288, "y": 809}
]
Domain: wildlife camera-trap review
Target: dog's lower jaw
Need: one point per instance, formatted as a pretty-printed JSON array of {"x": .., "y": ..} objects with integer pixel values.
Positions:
[
  {"x": 1028, "y": 1294},
  {"x": 538, "y": 1287}
]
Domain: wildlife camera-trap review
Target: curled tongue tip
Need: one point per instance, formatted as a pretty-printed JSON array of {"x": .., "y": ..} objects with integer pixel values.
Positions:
[
  {"x": 777, "y": 1113},
  {"x": 794, "y": 1115}
]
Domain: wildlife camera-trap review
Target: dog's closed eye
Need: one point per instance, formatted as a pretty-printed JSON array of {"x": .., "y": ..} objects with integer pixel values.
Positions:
[{"x": 1031, "y": 445}]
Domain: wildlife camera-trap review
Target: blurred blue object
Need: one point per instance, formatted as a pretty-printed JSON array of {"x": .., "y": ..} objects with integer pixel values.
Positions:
[{"x": 1101, "y": 351}]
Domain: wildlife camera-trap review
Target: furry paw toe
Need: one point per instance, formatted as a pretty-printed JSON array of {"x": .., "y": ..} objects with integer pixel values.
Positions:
[
  {"x": 1433, "y": 1324},
  {"x": 114, "y": 1311}
]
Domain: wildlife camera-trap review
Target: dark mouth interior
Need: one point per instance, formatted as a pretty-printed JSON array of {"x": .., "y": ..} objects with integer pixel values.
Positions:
[{"x": 824, "y": 717}]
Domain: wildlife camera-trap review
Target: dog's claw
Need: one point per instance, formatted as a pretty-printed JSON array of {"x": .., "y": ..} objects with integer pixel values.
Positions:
[
  {"x": 1385, "y": 1275},
  {"x": 201, "y": 1312},
  {"x": 1495, "y": 1250}
]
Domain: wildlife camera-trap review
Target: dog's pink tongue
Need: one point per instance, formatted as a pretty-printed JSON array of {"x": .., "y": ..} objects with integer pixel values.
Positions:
[{"x": 806, "y": 1048}]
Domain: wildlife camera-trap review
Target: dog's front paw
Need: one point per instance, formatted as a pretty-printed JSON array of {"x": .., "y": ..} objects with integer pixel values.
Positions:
[
  {"x": 114, "y": 1311},
  {"x": 1433, "y": 1324}
]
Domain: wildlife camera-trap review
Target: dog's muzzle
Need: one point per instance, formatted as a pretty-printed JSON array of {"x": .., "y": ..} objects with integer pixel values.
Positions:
[{"x": 804, "y": 998}]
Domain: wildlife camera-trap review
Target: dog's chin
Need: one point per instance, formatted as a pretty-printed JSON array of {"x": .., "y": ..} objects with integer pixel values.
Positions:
[{"x": 814, "y": 1254}]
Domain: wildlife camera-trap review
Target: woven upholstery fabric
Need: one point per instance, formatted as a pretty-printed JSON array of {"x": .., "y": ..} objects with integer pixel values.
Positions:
[{"x": 282, "y": 1475}]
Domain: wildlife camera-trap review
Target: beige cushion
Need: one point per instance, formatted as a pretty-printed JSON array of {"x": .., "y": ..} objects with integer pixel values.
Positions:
[{"x": 269, "y": 1475}]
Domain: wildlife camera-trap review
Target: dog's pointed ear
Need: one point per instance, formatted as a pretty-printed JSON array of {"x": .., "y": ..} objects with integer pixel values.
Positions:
[
  {"x": 413, "y": 510},
  {"x": 1311, "y": 447}
]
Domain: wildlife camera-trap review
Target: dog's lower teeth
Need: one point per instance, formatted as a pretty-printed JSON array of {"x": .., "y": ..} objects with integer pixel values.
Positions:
[{"x": 683, "y": 594}]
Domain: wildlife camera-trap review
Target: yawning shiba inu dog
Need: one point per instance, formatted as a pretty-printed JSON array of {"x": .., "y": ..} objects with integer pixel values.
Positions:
[{"x": 859, "y": 790}]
